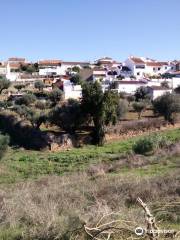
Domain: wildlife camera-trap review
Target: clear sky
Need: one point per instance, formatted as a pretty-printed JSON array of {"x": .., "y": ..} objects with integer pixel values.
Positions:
[{"x": 89, "y": 29}]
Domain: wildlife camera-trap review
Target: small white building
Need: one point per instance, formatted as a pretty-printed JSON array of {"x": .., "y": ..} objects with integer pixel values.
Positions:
[
  {"x": 175, "y": 81},
  {"x": 129, "y": 87},
  {"x": 98, "y": 74},
  {"x": 71, "y": 90},
  {"x": 3, "y": 69},
  {"x": 49, "y": 67},
  {"x": 157, "y": 91},
  {"x": 58, "y": 67}
]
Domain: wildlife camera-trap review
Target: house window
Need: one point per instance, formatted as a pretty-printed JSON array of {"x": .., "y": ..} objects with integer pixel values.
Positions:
[
  {"x": 165, "y": 67},
  {"x": 159, "y": 68},
  {"x": 138, "y": 73},
  {"x": 154, "y": 69}
]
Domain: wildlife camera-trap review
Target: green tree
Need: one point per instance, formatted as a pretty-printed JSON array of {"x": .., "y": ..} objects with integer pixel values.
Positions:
[
  {"x": 167, "y": 105},
  {"x": 19, "y": 86},
  {"x": 36, "y": 118},
  {"x": 142, "y": 93},
  {"x": 68, "y": 117},
  {"x": 26, "y": 99},
  {"x": 76, "y": 79},
  {"x": 76, "y": 69},
  {"x": 122, "y": 108},
  {"x": 130, "y": 98},
  {"x": 55, "y": 96},
  {"x": 139, "y": 107},
  {"x": 39, "y": 85},
  {"x": 4, "y": 83},
  {"x": 101, "y": 107}
]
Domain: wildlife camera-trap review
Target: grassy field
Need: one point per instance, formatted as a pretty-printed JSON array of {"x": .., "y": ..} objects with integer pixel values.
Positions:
[
  {"x": 47, "y": 196},
  {"x": 19, "y": 164}
]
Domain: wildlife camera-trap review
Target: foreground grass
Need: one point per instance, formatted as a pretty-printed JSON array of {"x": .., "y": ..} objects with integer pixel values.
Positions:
[
  {"x": 43, "y": 203},
  {"x": 21, "y": 164}
]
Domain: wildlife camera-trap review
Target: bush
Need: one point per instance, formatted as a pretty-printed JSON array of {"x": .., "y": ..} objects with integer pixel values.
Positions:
[
  {"x": 26, "y": 99},
  {"x": 150, "y": 144},
  {"x": 4, "y": 141},
  {"x": 41, "y": 105},
  {"x": 143, "y": 146}
]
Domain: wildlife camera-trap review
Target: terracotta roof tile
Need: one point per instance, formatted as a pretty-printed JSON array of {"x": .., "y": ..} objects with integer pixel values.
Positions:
[{"x": 137, "y": 60}]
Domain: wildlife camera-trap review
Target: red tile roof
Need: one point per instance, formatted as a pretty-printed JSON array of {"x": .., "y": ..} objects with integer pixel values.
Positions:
[
  {"x": 75, "y": 63},
  {"x": 49, "y": 62},
  {"x": 137, "y": 60},
  {"x": 15, "y": 59},
  {"x": 14, "y": 65},
  {"x": 156, "y": 64}
]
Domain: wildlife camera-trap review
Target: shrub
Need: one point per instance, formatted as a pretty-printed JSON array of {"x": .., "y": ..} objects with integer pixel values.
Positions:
[
  {"x": 143, "y": 146},
  {"x": 41, "y": 105},
  {"x": 26, "y": 99},
  {"x": 150, "y": 144},
  {"x": 4, "y": 141}
]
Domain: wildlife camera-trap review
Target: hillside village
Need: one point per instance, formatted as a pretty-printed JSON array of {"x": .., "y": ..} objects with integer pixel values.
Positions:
[{"x": 159, "y": 77}]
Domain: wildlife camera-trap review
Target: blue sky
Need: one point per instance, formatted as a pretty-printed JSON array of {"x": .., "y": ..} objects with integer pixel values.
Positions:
[{"x": 89, "y": 29}]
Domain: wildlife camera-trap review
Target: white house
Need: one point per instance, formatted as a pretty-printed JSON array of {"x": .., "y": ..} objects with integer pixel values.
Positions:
[
  {"x": 12, "y": 68},
  {"x": 98, "y": 74},
  {"x": 129, "y": 87},
  {"x": 136, "y": 65},
  {"x": 3, "y": 69},
  {"x": 58, "y": 67},
  {"x": 67, "y": 66},
  {"x": 141, "y": 66},
  {"x": 176, "y": 81},
  {"x": 71, "y": 90},
  {"x": 12, "y": 72},
  {"x": 157, "y": 91},
  {"x": 49, "y": 67},
  {"x": 107, "y": 62}
]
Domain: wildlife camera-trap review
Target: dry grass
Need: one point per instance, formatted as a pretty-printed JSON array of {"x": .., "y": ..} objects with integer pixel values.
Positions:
[{"x": 57, "y": 207}]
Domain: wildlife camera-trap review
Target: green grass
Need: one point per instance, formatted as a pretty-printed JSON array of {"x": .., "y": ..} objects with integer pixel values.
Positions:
[{"x": 23, "y": 164}]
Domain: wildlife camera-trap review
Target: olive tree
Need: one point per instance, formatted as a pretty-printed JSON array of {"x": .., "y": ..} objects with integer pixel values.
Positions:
[
  {"x": 68, "y": 117},
  {"x": 142, "y": 93},
  {"x": 26, "y": 99},
  {"x": 139, "y": 107},
  {"x": 167, "y": 105},
  {"x": 55, "y": 96},
  {"x": 4, "y": 83},
  {"x": 39, "y": 85},
  {"x": 101, "y": 107}
]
